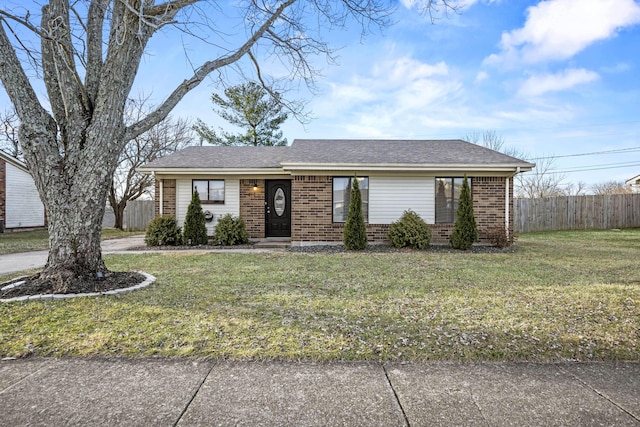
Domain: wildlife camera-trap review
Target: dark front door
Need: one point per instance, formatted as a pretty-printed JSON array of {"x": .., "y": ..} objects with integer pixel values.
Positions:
[{"x": 278, "y": 208}]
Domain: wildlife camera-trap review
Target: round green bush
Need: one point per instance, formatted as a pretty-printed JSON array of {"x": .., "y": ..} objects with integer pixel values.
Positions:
[
  {"x": 163, "y": 230},
  {"x": 230, "y": 231},
  {"x": 410, "y": 231}
]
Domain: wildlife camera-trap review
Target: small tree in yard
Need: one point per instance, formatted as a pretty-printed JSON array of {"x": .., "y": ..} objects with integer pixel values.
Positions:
[
  {"x": 355, "y": 232},
  {"x": 195, "y": 228},
  {"x": 465, "y": 231}
]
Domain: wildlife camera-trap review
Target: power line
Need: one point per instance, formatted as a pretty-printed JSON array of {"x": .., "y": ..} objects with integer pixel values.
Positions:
[
  {"x": 617, "y": 151},
  {"x": 591, "y": 168}
]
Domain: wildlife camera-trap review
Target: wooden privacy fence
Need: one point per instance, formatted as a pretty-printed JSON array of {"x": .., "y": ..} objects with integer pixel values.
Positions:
[
  {"x": 137, "y": 215},
  {"x": 577, "y": 212}
]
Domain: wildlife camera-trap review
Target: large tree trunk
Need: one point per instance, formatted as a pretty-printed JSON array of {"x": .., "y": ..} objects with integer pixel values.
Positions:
[
  {"x": 74, "y": 190},
  {"x": 118, "y": 212},
  {"x": 75, "y": 225}
]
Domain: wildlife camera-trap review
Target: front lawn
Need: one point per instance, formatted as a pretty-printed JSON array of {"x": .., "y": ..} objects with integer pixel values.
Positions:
[
  {"x": 38, "y": 240},
  {"x": 560, "y": 296}
]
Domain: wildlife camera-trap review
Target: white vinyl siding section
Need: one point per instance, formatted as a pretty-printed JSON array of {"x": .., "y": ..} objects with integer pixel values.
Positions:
[
  {"x": 390, "y": 196},
  {"x": 23, "y": 205},
  {"x": 231, "y": 203}
]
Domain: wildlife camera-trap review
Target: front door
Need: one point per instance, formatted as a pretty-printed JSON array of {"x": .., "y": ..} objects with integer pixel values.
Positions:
[{"x": 278, "y": 208}]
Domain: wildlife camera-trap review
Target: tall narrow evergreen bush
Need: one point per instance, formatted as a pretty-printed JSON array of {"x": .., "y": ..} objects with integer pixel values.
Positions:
[
  {"x": 354, "y": 236},
  {"x": 465, "y": 230},
  {"x": 195, "y": 229}
]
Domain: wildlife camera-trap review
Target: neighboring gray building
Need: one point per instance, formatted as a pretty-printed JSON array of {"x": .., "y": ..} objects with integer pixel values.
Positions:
[
  {"x": 634, "y": 184},
  {"x": 20, "y": 205}
]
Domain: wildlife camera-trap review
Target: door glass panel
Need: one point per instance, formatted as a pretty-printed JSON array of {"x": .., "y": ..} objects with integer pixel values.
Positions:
[{"x": 279, "y": 202}]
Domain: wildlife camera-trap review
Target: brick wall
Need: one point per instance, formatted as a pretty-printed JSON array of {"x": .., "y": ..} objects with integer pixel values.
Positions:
[
  {"x": 488, "y": 205},
  {"x": 488, "y": 210},
  {"x": 311, "y": 215},
  {"x": 3, "y": 188},
  {"x": 252, "y": 207},
  {"x": 168, "y": 197}
]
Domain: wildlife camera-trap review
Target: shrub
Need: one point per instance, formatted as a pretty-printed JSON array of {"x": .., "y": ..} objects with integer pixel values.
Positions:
[
  {"x": 410, "y": 231},
  {"x": 231, "y": 231},
  {"x": 195, "y": 228},
  {"x": 354, "y": 235},
  {"x": 465, "y": 231},
  {"x": 163, "y": 230},
  {"x": 498, "y": 238}
]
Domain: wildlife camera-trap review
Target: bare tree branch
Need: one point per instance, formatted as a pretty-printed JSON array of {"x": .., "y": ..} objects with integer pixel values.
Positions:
[{"x": 163, "y": 110}]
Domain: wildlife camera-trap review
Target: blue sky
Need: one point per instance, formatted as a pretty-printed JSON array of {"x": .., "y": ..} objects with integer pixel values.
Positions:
[{"x": 552, "y": 78}]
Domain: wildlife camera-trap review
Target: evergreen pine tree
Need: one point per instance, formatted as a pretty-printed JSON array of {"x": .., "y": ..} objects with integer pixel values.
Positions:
[
  {"x": 355, "y": 232},
  {"x": 195, "y": 228},
  {"x": 465, "y": 231}
]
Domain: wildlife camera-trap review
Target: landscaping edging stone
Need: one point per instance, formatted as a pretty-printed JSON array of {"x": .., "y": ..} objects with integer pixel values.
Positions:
[{"x": 149, "y": 280}]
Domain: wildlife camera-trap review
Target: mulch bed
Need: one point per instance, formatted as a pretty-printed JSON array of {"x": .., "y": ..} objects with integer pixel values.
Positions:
[
  {"x": 35, "y": 286},
  {"x": 385, "y": 248}
]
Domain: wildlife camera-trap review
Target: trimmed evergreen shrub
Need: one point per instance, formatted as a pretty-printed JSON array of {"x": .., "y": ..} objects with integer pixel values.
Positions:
[
  {"x": 230, "y": 231},
  {"x": 163, "y": 230},
  {"x": 465, "y": 230},
  {"x": 195, "y": 228},
  {"x": 410, "y": 231},
  {"x": 354, "y": 235}
]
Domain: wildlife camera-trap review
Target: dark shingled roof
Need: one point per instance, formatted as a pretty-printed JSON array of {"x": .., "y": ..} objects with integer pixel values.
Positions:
[
  {"x": 222, "y": 157},
  {"x": 335, "y": 152},
  {"x": 407, "y": 152}
]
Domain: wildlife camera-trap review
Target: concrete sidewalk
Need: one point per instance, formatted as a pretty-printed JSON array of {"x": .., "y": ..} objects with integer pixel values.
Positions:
[{"x": 179, "y": 392}]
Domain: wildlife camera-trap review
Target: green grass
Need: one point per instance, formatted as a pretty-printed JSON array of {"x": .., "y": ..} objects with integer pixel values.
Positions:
[
  {"x": 37, "y": 240},
  {"x": 565, "y": 295}
]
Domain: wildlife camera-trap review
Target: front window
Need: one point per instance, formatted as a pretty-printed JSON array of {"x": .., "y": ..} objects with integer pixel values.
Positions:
[
  {"x": 447, "y": 198},
  {"x": 342, "y": 196},
  {"x": 210, "y": 191}
]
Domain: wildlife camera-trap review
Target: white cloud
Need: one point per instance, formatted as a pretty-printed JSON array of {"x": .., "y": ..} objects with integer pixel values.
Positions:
[
  {"x": 395, "y": 97},
  {"x": 620, "y": 67},
  {"x": 558, "y": 29},
  {"x": 537, "y": 85},
  {"x": 481, "y": 76}
]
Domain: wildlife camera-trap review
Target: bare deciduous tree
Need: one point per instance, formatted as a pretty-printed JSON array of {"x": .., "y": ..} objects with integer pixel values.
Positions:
[
  {"x": 610, "y": 187},
  {"x": 542, "y": 181},
  {"x": 9, "y": 124},
  {"x": 88, "y": 57},
  {"x": 492, "y": 140},
  {"x": 164, "y": 138},
  {"x": 576, "y": 189}
]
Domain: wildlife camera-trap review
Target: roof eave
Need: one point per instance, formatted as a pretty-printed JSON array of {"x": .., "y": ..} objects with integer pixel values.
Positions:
[
  {"x": 15, "y": 162},
  {"x": 523, "y": 167},
  {"x": 209, "y": 171}
]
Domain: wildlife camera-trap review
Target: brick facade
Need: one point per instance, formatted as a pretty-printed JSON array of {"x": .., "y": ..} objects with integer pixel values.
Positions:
[
  {"x": 311, "y": 217},
  {"x": 168, "y": 197},
  {"x": 488, "y": 209},
  {"x": 3, "y": 190},
  {"x": 311, "y": 213},
  {"x": 252, "y": 207},
  {"x": 488, "y": 206}
]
